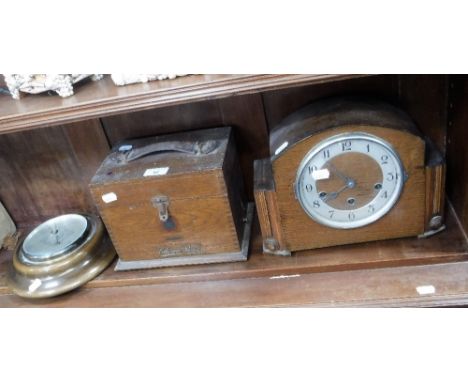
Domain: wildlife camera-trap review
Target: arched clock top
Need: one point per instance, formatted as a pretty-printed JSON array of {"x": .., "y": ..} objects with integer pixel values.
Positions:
[{"x": 335, "y": 112}]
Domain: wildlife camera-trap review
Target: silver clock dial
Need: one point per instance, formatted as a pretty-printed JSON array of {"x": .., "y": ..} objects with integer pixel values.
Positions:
[{"x": 349, "y": 180}]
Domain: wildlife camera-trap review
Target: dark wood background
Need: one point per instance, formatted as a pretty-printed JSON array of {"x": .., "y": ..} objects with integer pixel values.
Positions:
[{"x": 457, "y": 147}]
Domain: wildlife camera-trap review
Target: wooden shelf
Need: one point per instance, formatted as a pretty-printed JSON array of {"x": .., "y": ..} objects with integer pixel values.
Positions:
[
  {"x": 348, "y": 275},
  {"x": 387, "y": 287},
  {"x": 103, "y": 98},
  {"x": 56, "y": 165}
]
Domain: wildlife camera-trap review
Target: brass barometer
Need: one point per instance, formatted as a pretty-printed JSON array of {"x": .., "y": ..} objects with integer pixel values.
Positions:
[{"x": 59, "y": 255}]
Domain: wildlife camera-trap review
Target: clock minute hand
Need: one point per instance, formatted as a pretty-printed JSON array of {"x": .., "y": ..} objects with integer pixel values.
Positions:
[{"x": 334, "y": 195}]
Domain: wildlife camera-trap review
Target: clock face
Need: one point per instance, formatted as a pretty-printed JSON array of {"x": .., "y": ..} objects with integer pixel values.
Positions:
[{"x": 349, "y": 180}]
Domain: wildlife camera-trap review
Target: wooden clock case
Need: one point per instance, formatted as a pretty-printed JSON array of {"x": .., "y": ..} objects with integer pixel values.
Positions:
[{"x": 286, "y": 227}]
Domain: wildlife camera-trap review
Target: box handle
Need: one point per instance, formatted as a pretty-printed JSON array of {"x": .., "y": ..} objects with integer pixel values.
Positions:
[{"x": 194, "y": 148}]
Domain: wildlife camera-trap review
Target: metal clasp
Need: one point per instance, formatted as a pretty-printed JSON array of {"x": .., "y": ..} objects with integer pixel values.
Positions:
[{"x": 162, "y": 204}]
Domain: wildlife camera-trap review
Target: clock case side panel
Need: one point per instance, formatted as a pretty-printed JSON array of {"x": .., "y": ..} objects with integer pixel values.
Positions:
[
  {"x": 304, "y": 129},
  {"x": 435, "y": 190},
  {"x": 267, "y": 209}
]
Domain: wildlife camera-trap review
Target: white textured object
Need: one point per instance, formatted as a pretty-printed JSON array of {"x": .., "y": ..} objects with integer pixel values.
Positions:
[
  {"x": 39, "y": 83},
  {"x": 126, "y": 79},
  {"x": 7, "y": 227}
]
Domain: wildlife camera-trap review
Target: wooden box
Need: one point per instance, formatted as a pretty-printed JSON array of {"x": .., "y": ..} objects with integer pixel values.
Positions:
[{"x": 174, "y": 200}]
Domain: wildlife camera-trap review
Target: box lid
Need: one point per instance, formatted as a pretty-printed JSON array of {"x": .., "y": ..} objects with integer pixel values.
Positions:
[{"x": 164, "y": 156}]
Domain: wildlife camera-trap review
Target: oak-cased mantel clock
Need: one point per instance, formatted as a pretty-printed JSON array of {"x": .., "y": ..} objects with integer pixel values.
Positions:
[{"x": 347, "y": 170}]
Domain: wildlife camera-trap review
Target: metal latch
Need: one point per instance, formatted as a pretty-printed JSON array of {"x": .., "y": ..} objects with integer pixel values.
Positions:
[{"x": 161, "y": 202}]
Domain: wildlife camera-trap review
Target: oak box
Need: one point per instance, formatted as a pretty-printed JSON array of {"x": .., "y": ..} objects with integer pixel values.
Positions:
[{"x": 174, "y": 200}]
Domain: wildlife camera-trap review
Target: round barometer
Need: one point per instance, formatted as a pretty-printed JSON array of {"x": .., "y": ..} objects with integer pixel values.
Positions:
[
  {"x": 349, "y": 180},
  {"x": 59, "y": 255},
  {"x": 55, "y": 237}
]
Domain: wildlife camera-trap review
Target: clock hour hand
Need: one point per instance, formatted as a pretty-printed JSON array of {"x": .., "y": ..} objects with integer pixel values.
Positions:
[{"x": 350, "y": 182}]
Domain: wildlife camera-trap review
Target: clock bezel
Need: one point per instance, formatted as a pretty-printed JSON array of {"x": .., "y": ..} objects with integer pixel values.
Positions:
[{"x": 365, "y": 221}]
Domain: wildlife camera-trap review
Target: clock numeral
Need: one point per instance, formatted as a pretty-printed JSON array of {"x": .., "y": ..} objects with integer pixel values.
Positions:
[
  {"x": 351, "y": 216},
  {"x": 309, "y": 187},
  {"x": 371, "y": 209},
  {"x": 312, "y": 169},
  {"x": 385, "y": 195},
  {"x": 331, "y": 212},
  {"x": 326, "y": 153},
  {"x": 384, "y": 159},
  {"x": 346, "y": 146},
  {"x": 391, "y": 177},
  {"x": 368, "y": 148},
  {"x": 316, "y": 204}
]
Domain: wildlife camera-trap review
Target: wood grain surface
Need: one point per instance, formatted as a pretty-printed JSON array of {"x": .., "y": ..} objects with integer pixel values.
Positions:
[
  {"x": 281, "y": 103},
  {"x": 457, "y": 153},
  {"x": 244, "y": 113},
  {"x": 448, "y": 246},
  {"x": 371, "y": 274},
  {"x": 138, "y": 234},
  {"x": 200, "y": 190},
  {"x": 425, "y": 98},
  {"x": 46, "y": 172},
  {"x": 267, "y": 208},
  {"x": 101, "y": 98},
  {"x": 435, "y": 194},
  {"x": 356, "y": 288},
  {"x": 406, "y": 218}
]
